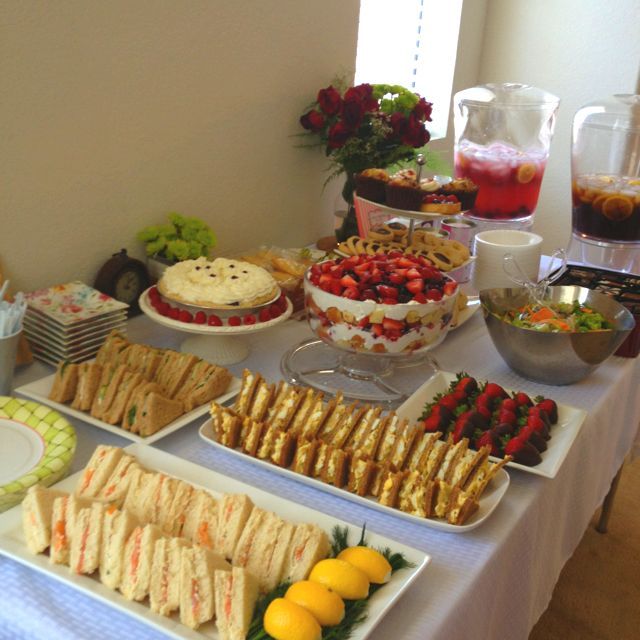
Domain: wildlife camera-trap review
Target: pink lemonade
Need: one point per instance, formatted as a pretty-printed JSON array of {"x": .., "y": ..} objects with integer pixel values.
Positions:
[{"x": 509, "y": 179}]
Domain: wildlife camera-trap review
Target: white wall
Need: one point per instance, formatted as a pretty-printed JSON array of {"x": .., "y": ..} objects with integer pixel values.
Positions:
[
  {"x": 580, "y": 50},
  {"x": 115, "y": 113}
]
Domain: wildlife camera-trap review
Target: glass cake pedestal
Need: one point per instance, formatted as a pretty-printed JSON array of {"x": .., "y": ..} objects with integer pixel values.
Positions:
[{"x": 219, "y": 345}]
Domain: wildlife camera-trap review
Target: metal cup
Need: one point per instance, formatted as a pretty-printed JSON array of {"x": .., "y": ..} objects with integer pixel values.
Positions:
[{"x": 8, "y": 352}]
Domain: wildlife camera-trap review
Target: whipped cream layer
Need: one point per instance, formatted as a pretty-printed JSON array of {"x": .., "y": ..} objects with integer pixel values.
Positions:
[{"x": 220, "y": 282}]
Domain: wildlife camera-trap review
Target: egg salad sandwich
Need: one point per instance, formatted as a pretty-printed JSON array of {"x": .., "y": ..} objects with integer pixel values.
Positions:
[
  {"x": 233, "y": 513},
  {"x": 99, "y": 469},
  {"x": 117, "y": 527},
  {"x": 164, "y": 589},
  {"x": 86, "y": 539},
  {"x": 309, "y": 544},
  {"x": 65, "y": 382},
  {"x": 236, "y": 593},
  {"x": 135, "y": 579},
  {"x": 248, "y": 386},
  {"x": 37, "y": 510},
  {"x": 201, "y": 519},
  {"x": 89, "y": 374},
  {"x": 197, "y": 588},
  {"x": 63, "y": 519}
]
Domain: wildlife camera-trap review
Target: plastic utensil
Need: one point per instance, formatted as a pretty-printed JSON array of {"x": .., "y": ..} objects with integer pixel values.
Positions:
[{"x": 537, "y": 289}]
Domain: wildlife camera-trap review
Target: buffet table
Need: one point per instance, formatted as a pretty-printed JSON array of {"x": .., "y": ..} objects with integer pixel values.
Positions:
[{"x": 492, "y": 582}]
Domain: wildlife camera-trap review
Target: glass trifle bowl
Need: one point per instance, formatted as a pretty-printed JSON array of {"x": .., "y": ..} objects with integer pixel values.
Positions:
[{"x": 503, "y": 133}]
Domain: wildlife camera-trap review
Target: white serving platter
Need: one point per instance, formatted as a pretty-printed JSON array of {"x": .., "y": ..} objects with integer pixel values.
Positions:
[
  {"x": 563, "y": 433},
  {"x": 12, "y": 545},
  {"x": 39, "y": 390},
  {"x": 488, "y": 502}
]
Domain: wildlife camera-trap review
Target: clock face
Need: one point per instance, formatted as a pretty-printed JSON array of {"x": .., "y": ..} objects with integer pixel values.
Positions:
[{"x": 129, "y": 286}]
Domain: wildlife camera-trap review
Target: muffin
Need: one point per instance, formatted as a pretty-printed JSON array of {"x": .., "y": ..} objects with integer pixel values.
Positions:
[
  {"x": 371, "y": 183},
  {"x": 464, "y": 189},
  {"x": 404, "y": 193}
]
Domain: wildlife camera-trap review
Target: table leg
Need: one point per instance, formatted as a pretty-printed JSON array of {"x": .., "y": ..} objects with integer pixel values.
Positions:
[{"x": 607, "y": 505}]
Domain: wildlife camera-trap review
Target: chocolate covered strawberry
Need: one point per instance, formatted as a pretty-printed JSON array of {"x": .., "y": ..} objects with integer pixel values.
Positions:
[
  {"x": 522, "y": 452},
  {"x": 551, "y": 408},
  {"x": 534, "y": 437},
  {"x": 466, "y": 385},
  {"x": 491, "y": 440}
]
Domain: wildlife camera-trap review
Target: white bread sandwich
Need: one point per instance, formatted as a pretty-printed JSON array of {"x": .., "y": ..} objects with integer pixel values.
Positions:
[
  {"x": 117, "y": 527},
  {"x": 138, "y": 556},
  {"x": 236, "y": 592},
  {"x": 117, "y": 485},
  {"x": 197, "y": 589},
  {"x": 201, "y": 519},
  {"x": 98, "y": 470},
  {"x": 126, "y": 387},
  {"x": 65, "y": 382},
  {"x": 86, "y": 539},
  {"x": 274, "y": 566},
  {"x": 37, "y": 509},
  {"x": 164, "y": 590},
  {"x": 135, "y": 500},
  {"x": 245, "y": 546},
  {"x": 63, "y": 519},
  {"x": 177, "y": 513},
  {"x": 309, "y": 544},
  {"x": 89, "y": 375},
  {"x": 233, "y": 513},
  {"x": 158, "y": 499}
]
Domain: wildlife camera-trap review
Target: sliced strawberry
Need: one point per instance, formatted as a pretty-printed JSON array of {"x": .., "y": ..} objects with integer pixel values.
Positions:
[
  {"x": 214, "y": 321},
  {"x": 325, "y": 267},
  {"x": 393, "y": 334},
  {"x": 415, "y": 286},
  {"x": 335, "y": 287},
  {"x": 396, "y": 278},
  {"x": 434, "y": 294},
  {"x": 351, "y": 293},
  {"x": 405, "y": 262},
  {"x": 413, "y": 274},
  {"x": 420, "y": 298},
  {"x": 200, "y": 317},
  {"x": 348, "y": 281},
  {"x": 368, "y": 294},
  {"x": 363, "y": 268},
  {"x": 363, "y": 322},
  {"x": 377, "y": 330},
  {"x": 389, "y": 324},
  {"x": 386, "y": 291},
  {"x": 430, "y": 273},
  {"x": 336, "y": 271},
  {"x": 450, "y": 288}
]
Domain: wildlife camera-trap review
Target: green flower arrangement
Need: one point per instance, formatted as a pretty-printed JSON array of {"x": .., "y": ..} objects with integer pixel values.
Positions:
[{"x": 182, "y": 238}]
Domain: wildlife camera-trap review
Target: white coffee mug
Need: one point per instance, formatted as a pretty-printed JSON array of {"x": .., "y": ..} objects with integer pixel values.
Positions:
[{"x": 490, "y": 249}]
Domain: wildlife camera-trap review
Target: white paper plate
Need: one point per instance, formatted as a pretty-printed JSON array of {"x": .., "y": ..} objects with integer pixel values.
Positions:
[
  {"x": 563, "y": 433},
  {"x": 39, "y": 390},
  {"x": 489, "y": 501},
  {"x": 12, "y": 545}
]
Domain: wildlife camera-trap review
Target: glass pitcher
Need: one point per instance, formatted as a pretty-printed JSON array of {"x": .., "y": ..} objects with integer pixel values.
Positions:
[{"x": 503, "y": 133}]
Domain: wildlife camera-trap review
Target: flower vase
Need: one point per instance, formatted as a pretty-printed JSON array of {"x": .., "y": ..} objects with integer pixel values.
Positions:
[{"x": 349, "y": 226}]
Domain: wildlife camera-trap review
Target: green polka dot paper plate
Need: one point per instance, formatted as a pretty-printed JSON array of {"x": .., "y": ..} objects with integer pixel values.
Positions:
[{"x": 36, "y": 447}]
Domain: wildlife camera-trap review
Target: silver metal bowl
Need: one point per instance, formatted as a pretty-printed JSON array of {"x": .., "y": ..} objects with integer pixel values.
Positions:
[{"x": 554, "y": 358}]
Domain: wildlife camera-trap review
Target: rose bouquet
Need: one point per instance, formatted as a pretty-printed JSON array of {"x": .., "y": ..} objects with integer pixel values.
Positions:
[{"x": 369, "y": 125}]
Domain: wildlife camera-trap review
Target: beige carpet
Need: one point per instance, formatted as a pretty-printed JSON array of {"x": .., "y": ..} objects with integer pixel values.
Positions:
[{"x": 598, "y": 594}]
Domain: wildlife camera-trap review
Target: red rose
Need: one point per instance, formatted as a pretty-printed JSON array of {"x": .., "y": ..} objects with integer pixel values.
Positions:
[
  {"x": 415, "y": 135},
  {"x": 312, "y": 121},
  {"x": 329, "y": 101},
  {"x": 363, "y": 93},
  {"x": 338, "y": 135},
  {"x": 423, "y": 110},
  {"x": 399, "y": 124},
  {"x": 352, "y": 112}
]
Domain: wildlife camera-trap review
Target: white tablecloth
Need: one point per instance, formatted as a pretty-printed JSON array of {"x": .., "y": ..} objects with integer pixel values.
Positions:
[{"x": 493, "y": 582}]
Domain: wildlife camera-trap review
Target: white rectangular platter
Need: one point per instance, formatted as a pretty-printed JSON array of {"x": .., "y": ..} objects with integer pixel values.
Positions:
[
  {"x": 563, "y": 433},
  {"x": 488, "y": 502},
  {"x": 39, "y": 390},
  {"x": 12, "y": 545}
]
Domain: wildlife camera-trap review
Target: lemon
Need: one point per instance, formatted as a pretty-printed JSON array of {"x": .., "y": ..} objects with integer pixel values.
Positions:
[
  {"x": 617, "y": 208},
  {"x": 286, "y": 620},
  {"x": 338, "y": 575},
  {"x": 526, "y": 173},
  {"x": 369, "y": 561},
  {"x": 325, "y": 606}
]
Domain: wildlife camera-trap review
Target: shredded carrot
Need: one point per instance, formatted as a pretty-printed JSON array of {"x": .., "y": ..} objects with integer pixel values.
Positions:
[{"x": 545, "y": 313}]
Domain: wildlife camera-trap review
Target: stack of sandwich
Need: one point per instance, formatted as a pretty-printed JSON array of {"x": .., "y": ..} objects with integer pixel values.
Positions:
[
  {"x": 137, "y": 386},
  {"x": 154, "y": 536},
  {"x": 356, "y": 447}
]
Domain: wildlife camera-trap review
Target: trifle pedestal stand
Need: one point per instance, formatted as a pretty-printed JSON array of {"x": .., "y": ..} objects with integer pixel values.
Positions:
[
  {"x": 387, "y": 380},
  {"x": 219, "y": 345}
]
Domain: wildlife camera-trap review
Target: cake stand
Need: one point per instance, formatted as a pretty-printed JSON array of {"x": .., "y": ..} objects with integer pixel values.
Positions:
[{"x": 221, "y": 345}]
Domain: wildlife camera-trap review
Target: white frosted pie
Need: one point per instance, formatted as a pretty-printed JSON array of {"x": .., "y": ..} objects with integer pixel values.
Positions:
[{"x": 218, "y": 283}]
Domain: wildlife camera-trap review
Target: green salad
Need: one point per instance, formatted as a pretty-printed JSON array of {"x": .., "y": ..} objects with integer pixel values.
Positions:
[{"x": 556, "y": 317}]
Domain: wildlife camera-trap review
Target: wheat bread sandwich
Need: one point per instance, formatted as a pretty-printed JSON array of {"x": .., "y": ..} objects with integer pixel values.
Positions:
[
  {"x": 109, "y": 382},
  {"x": 309, "y": 398},
  {"x": 127, "y": 385},
  {"x": 117, "y": 485},
  {"x": 361, "y": 472},
  {"x": 392, "y": 428},
  {"x": 261, "y": 401},
  {"x": 304, "y": 456},
  {"x": 63, "y": 519},
  {"x": 164, "y": 589},
  {"x": 309, "y": 544},
  {"x": 135, "y": 580},
  {"x": 318, "y": 415},
  {"x": 95, "y": 475},
  {"x": 142, "y": 359},
  {"x": 112, "y": 347},
  {"x": 132, "y": 411},
  {"x": 117, "y": 528},
  {"x": 233, "y": 512},
  {"x": 236, "y": 593},
  {"x": 204, "y": 383},
  {"x": 174, "y": 370},
  {"x": 86, "y": 539},
  {"x": 356, "y": 438},
  {"x": 451, "y": 459},
  {"x": 282, "y": 448},
  {"x": 37, "y": 510},
  {"x": 250, "y": 381},
  {"x": 148, "y": 410},
  {"x": 201, "y": 519},
  {"x": 197, "y": 588},
  {"x": 89, "y": 374},
  {"x": 65, "y": 382},
  {"x": 250, "y": 435}
]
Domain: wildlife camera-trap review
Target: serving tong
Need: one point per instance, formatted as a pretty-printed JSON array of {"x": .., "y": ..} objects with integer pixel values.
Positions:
[{"x": 537, "y": 290}]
